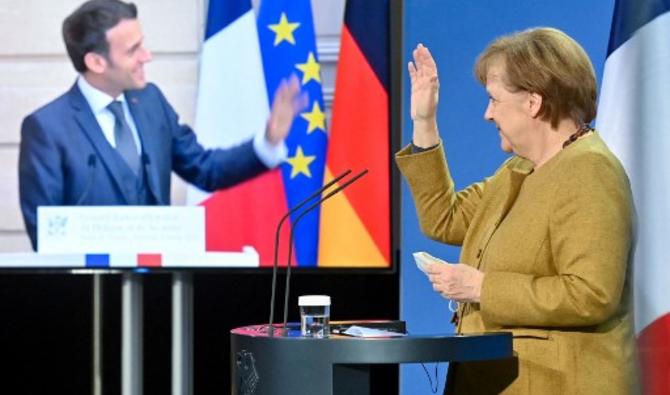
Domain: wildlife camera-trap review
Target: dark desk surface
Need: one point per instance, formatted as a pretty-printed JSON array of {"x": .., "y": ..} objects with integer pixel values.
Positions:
[
  {"x": 287, "y": 363},
  {"x": 357, "y": 350}
]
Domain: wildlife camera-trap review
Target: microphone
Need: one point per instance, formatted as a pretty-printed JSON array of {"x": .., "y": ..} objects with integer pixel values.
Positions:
[
  {"x": 276, "y": 250},
  {"x": 148, "y": 184},
  {"x": 89, "y": 181},
  {"x": 145, "y": 159},
  {"x": 295, "y": 224}
]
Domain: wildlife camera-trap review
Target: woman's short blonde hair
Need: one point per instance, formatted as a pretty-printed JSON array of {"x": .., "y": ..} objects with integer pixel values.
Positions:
[{"x": 550, "y": 63}]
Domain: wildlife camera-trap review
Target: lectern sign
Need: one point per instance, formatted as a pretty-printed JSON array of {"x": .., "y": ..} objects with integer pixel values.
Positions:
[{"x": 120, "y": 229}]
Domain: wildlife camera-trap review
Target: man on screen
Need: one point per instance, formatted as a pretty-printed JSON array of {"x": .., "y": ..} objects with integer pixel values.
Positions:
[{"x": 113, "y": 139}]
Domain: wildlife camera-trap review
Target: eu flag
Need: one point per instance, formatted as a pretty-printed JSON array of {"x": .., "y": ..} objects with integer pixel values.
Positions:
[{"x": 288, "y": 46}]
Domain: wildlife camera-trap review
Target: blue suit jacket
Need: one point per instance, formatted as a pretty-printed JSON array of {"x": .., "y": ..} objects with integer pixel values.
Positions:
[{"x": 59, "y": 140}]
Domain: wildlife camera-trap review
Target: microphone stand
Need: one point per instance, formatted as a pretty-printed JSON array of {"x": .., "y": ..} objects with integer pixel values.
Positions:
[
  {"x": 295, "y": 224},
  {"x": 276, "y": 249},
  {"x": 97, "y": 297}
]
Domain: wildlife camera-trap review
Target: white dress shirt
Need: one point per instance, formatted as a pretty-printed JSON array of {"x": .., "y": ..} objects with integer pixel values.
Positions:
[{"x": 98, "y": 101}]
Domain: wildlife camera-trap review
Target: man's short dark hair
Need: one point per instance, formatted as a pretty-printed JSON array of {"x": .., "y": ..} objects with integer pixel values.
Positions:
[{"x": 85, "y": 29}]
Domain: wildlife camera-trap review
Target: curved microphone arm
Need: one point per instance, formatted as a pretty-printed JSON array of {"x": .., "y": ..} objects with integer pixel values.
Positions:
[
  {"x": 276, "y": 250},
  {"x": 295, "y": 225}
]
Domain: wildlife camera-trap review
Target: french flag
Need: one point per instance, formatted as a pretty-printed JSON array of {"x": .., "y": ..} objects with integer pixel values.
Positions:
[
  {"x": 232, "y": 106},
  {"x": 634, "y": 118},
  {"x": 242, "y": 63}
]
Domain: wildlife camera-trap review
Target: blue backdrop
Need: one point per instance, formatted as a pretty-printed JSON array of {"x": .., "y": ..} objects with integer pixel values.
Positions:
[{"x": 456, "y": 32}]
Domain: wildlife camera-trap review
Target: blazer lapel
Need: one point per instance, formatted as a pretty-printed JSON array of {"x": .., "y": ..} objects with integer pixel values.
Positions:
[
  {"x": 149, "y": 156},
  {"x": 121, "y": 175}
]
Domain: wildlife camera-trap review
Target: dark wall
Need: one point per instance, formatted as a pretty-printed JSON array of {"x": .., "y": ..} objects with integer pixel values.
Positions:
[
  {"x": 46, "y": 338},
  {"x": 45, "y": 334}
]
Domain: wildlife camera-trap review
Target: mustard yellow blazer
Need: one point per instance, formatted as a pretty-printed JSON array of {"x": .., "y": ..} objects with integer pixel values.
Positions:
[{"x": 555, "y": 245}]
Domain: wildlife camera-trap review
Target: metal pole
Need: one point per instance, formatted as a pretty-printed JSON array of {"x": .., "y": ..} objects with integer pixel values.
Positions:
[
  {"x": 97, "y": 334},
  {"x": 182, "y": 334},
  {"x": 131, "y": 334}
]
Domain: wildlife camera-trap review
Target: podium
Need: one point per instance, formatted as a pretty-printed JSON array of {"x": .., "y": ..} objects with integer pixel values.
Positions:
[
  {"x": 271, "y": 365},
  {"x": 102, "y": 239}
]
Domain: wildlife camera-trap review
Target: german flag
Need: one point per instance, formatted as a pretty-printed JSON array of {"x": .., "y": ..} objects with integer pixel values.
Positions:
[{"x": 355, "y": 225}]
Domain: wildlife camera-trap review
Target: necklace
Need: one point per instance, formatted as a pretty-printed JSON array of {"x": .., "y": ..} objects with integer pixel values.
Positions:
[{"x": 579, "y": 133}]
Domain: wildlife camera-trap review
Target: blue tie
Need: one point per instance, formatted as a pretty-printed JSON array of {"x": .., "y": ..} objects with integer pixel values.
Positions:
[{"x": 125, "y": 143}]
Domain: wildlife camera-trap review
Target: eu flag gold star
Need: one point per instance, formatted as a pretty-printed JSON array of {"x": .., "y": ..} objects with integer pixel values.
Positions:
[
  {"x": 284, "y": 30},
  {"x": 311, "y": 69},
  {"x": 316, "y": 118},
  {"x": 300, "y": 163}
]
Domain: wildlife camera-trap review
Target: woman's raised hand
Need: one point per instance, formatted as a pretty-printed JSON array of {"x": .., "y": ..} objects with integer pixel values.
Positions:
[{"x": 424, "y": 98}]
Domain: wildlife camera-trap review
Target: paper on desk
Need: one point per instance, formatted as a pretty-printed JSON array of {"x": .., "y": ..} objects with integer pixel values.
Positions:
[{"x": 361, "y": 331}]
